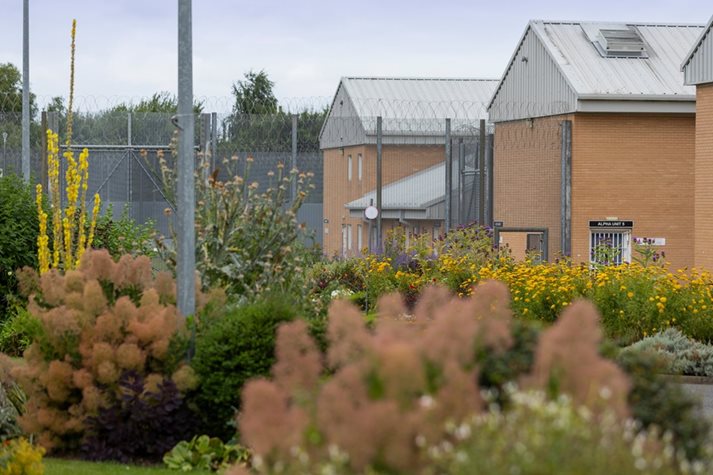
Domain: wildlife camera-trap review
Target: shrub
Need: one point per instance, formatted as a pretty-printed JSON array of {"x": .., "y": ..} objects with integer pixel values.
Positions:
[
  {"x": 247, "y": 240},
  {"x": 681, "y": 354},
  {"x": 98, "y": 322},
  {"x": 123, "y": 235},
  {"x": 655, "y": 401},
  {"x": 20, "y": 457},
  {"x": 18, "y": 331},
  {"x": 388, "y": 392},
  {"x": 12, "y": 400},
  {"x": 232, "y": 349},
  {"x": 205, "y": 453},
  {"x": 143, "y": 424},
  {"x": 18, "y": 236},
  {"x": 539, "y": 435}
]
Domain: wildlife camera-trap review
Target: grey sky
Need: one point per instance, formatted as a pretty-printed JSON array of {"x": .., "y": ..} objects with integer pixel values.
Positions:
[{"x": 126, "y": 48}]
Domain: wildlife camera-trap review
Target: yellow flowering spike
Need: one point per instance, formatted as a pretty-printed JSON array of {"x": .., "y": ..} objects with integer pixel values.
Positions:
[{"x": 43, "y": 253}]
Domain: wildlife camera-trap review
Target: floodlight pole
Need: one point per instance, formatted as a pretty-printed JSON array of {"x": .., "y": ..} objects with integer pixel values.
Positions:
[
  {"x": 186, "y": 262},
  {"x": 26, "y": 90}
]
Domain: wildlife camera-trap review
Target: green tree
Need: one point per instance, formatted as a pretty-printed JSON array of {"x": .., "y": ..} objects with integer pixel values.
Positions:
[
  {"x": 259, "y": 124},
  {"x": 254, "y": 94},
  {"x": 11, "y": 108}
]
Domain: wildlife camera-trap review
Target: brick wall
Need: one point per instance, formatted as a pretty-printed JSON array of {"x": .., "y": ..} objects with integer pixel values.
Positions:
[
  {"x": 629, "y": 166},
  {"x": 399, "y": 161},
  {"x": 634, "y": 167},
  {"x": 704, "y": 177},
  {"x": 526, "y": 178}
]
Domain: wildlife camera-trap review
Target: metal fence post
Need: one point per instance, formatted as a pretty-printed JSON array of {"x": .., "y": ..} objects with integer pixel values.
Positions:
[
  {"x": 293, "y": 165},
  {"x": 205, "y": 147},
  {"x": 43, "y": 151},
  {"x": 26, "y": 91},
  {"x": 128, "y": 129},
  {"x": 53, "y": 125},
  {"x": 491, "y": 179},
  {"x": 186, "y": 264},
  {"x": 566, "y": 189},
  {"x": 213, "y": 140},
  {"x": 449, "y": 176},
  {"x": 461, "y": 179},
  {"x": 481, "y": 174},
  {"x": 379, "y": 178}
]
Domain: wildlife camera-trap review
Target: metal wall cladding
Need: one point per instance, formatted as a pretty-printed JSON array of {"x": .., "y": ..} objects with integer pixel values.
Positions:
[
  {"x": 698, "y": 69},
  {"x": 533, "y": 85}
]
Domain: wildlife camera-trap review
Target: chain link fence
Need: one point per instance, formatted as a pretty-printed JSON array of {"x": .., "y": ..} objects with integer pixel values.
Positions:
[{"x": 439, "y": 165}]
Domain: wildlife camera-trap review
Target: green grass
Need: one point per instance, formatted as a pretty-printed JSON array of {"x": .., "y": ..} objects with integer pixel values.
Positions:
[{"x": 76, "y": 467}]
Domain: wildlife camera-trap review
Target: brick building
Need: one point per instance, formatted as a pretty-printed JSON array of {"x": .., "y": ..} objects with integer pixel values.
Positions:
[
  {"x": 698, "y": 71},
  {"x": 413, "y": 115},
  {"x": 594, "y": 139}
]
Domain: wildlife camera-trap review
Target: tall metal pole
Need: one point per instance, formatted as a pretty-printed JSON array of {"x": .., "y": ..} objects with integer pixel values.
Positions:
[
  {"x": 293, "y": 165},
  {"x": 26, "y": 90},
  {"x": 461, "y": 178},
  {"x": 186, "y": 264},
  {"x": 481, "y": 174},
  {"x": 489, "y": 169},
  {"x": 213, "y": 140},
  {"x": 449, "y": 177},
  {"x": 43, "y": 150},
  {"x": 379, "y": 182}
]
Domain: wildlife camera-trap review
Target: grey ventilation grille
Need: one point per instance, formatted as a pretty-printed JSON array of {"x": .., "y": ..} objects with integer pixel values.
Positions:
[{"x": 620, "y": 43}]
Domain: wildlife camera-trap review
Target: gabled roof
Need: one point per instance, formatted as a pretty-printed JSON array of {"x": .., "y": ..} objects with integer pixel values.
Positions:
[
  {"x": 698, "y": 63},
  {"x": 409, "y": 107},
  {"x": 420, "y": 98},
  {"x": 591, "y": 76}
]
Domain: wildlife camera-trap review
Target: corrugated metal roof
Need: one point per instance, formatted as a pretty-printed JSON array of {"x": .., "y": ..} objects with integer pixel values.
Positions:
[
  {"x": 698, "y": 64},
  {"x": 592, "y": 76},
  {"x": 413, "y": 109},
  {"x": 420, "y": 98}
]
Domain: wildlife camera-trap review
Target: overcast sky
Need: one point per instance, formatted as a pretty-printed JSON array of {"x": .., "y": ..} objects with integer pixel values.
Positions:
[{"x": 127, "y": 48}]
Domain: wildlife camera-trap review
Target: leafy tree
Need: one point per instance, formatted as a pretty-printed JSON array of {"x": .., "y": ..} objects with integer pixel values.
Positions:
[
  {"x": 259, "y": 124},
  {"x": 159, "y": 102},
  {"x": 11, "y": 108},
  {"x": 56, "y": 104},
  {"x": 254, "y": 94}
]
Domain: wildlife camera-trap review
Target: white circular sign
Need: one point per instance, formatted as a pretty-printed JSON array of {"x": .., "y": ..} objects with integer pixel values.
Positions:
[{"x": 371, "y": 212}]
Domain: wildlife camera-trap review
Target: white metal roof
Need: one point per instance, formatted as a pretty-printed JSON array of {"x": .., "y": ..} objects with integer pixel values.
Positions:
[
  {"x": 593, "y": 77},
  {"x": 420, "y": 98},
  {"x": 417, "y": 191},
  {"x": 413, "y": 110}
]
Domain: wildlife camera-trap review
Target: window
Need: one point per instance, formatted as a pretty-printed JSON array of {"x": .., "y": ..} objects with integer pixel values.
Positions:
[
  {"x": 349, "y": 237},
  {"x": 359, "y": 166},
  {"x": 349, "y": 168},
  {"x": 360, "y": 243},
  {"x": 609, "y": 247}
]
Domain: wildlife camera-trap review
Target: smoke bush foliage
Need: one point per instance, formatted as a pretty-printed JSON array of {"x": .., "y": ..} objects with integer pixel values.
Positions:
[
  {"x": 389, "y": 391},
  {"x": 247, "y": 240},
  {"x": 97, "y": 323}
]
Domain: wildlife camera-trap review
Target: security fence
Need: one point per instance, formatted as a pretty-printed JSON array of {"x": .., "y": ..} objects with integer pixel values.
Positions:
[{"x": 427, "y": 166}]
